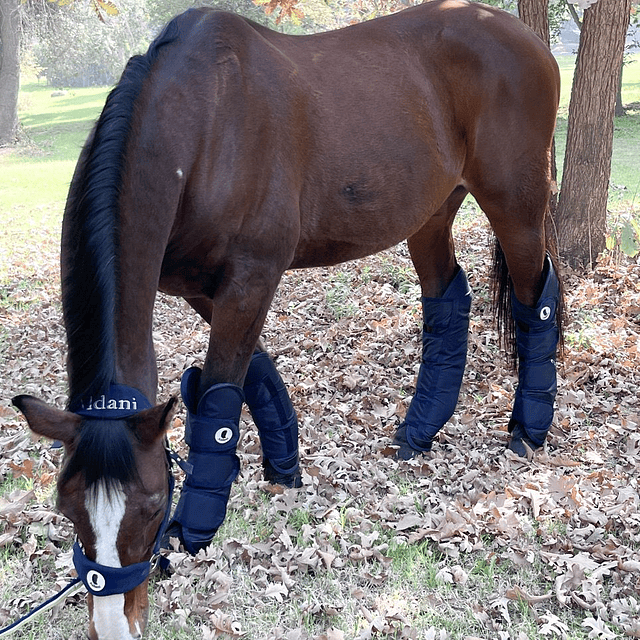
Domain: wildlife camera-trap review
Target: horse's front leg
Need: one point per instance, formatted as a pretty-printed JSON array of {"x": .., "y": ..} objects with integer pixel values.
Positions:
[
  {"x": 446, "y": 302},
  {"x": 273, "y": 414},
  {"x": 214, "y": 395}
]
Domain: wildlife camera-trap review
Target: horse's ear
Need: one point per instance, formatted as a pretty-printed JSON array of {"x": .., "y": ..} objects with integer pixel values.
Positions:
[
  {"x": 48, "y": 421},
  {"x": 152, "y": 423}
]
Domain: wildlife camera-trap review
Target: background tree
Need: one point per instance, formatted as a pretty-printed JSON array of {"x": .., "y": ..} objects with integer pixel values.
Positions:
[
  {"x": 75, "y": 49},
  {"x": 582, "y": 207},
  {"x": 535, "y": 13},
  {"x": 10, "y": 33}
]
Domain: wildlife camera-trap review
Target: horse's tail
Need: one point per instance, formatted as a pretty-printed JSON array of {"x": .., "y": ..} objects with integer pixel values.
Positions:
[{"x": 501, "y": 295}]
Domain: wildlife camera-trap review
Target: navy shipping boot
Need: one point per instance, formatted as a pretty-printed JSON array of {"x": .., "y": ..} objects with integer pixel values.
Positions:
[
  {"x": 212, "y": 432},
  {"x": 275, "y": 419},
  {"x": 444, "y": 355},
  {"x": 537, "y": 337}
]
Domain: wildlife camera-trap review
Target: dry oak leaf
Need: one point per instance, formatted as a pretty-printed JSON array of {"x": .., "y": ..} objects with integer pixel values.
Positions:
[{"x": 599, "y": 629}]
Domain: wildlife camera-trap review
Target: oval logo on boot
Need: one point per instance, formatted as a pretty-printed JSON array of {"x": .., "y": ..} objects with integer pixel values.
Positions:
[
  {"x": 96, "y": 581},
  {"x": 223, "y": 435},
  {"x": 545, "y": 312}
]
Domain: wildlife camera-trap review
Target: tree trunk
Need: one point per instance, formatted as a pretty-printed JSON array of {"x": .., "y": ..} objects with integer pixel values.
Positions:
[
  {"x": 582, "y": 209},
  {"x": 9, "y": 69},
  {"x": 535, "y": 13}
]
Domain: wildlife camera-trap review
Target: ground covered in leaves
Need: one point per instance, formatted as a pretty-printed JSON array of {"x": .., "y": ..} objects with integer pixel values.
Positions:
[{"x": 468, "y": 542}]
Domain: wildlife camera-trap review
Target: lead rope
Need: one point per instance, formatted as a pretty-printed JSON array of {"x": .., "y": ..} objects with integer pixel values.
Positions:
[{"x": 69, "y": 590}]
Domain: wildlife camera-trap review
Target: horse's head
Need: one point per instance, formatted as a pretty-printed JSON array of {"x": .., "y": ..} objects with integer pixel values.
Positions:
[{"x": 115, "y": 488}]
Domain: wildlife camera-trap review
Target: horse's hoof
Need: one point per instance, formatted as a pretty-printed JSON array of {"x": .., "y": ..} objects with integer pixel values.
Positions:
[
  {"x": 191, "y": 541},
  {"x": 405, "y": 451},
  {"x": 519, "y": 443},
  {"x": 291, "y": 480}
]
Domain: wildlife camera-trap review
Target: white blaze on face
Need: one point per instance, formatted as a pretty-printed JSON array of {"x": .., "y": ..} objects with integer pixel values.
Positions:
[{"x": 106, "y": 511}]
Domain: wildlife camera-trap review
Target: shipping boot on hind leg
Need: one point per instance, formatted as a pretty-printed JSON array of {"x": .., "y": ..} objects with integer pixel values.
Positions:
[
  {"x": 537, "y": 335},
  {"x": 444, "y": 354}
]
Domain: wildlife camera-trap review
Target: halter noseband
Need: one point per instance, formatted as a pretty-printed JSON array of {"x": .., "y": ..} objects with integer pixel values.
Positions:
[
  {"x": 102, "y": 580},
  {"x": 118, "y": 403}
]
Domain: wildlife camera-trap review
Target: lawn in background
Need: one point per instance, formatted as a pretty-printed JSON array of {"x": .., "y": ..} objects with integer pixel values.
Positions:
[{"x": 36, "y": 175}]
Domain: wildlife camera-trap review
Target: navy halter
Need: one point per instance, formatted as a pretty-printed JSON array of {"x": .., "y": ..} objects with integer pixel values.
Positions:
[
  {"x": 101, "y": 580},
  {"x": 118, "y": 403}
]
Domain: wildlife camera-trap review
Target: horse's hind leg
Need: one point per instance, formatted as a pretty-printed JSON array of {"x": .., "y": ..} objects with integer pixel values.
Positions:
[
  {"x": 517, "y": 215},
  {"x": 537, "y": 335},
  {"x": 446, "y": 302}
]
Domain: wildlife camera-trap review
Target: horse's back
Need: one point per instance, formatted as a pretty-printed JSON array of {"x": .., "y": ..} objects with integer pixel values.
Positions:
[{"x": 349, "y": 139}]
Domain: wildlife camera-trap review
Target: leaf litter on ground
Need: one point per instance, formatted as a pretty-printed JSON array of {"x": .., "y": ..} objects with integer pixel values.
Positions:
[{"x": 325, "y": 561}]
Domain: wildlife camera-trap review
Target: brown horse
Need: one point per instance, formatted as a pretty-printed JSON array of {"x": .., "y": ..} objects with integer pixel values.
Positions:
[{"x": 230, "y": 153}]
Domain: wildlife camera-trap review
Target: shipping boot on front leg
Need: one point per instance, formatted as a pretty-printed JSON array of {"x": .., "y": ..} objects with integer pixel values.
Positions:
[
  {"x": 276, "y": 421},
  {"x": 537, "y": 336},
  {"x": 444, "y": 354},
  {"x": 212, "y": 433}
]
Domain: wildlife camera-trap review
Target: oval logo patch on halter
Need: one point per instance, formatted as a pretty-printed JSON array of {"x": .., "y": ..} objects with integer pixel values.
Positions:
[
  {"x": 223, "y": 435},
  {"x": 102, "y": 580},
  {"x": 96, "y": 581}
]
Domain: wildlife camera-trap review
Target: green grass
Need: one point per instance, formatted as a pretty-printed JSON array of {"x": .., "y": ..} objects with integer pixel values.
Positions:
[
  {"x": 625, "y": 162},
  {"x": 38, "y": 173}
]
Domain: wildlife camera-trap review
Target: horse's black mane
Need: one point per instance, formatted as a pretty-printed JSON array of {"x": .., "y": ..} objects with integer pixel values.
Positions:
[
  {"x": 104, "y": 449},
  {"x": 89, "y": 290}
]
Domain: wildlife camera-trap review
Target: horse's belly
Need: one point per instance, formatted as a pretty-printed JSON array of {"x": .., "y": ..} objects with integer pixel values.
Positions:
[
  {"x": 351, "y": 218},
  {"x": 334, "y": 252},
  {"x": 338, "y": 236}
]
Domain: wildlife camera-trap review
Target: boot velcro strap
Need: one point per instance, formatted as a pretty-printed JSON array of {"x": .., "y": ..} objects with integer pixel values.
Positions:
[
  {"x": 284, "y": 467},
  {"x": 201, "y": 510},
  {"x": 211, "y": 471},
  {"x": 538, "y": 377}
]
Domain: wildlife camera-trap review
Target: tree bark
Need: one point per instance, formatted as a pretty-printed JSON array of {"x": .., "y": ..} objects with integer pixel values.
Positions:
[
  {"x": 582, "y": 208},
  {"x": 620, "y": 110},
  {"x": 9, "y": 69},
  {"x": 535, "y": 13}
]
